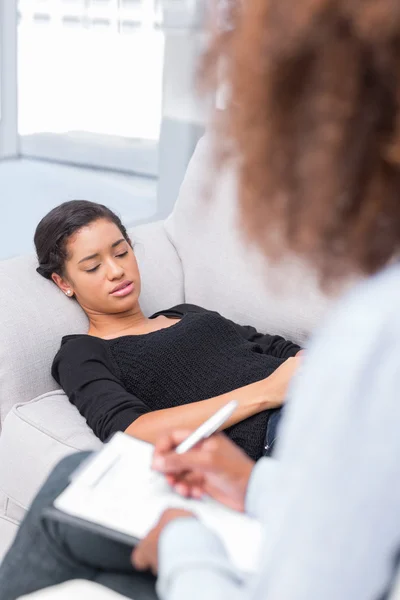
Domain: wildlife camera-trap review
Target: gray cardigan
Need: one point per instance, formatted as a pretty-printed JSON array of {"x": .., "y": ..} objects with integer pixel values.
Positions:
[{"x": 330, "y": 503}]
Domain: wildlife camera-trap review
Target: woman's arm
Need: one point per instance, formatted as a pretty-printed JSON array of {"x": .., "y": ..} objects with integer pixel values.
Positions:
[
  {"x": 254, "y": 398},
  {"x": 84, "y": 370},
  {"x": 273, "y": 345}
]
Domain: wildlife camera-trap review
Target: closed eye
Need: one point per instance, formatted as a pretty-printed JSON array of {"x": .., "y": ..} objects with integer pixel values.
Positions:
[
  {"x": 117, "y": 256},
  {"x": 92, "y": 270}
]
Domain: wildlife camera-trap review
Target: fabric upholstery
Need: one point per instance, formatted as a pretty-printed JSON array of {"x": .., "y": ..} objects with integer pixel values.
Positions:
[
  {"x": 41, "y": 431},
  {"x": 222, "y": 272},
  {"x": 35, "y": 314},
  {"x": 35, "y": 437}
]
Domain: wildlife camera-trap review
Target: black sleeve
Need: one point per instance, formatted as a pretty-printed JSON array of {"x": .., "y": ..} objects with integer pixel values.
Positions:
[
  {"x": 85, "y": 371},
  {"x": 274, "y": 345}
]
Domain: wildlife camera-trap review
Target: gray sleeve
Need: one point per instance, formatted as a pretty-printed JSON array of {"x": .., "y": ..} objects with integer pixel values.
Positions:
[
  {"x": 193, "y": 565},
  {"x": 193, "y": 559},
  {"x": 330, "y": 514},
  {"x": 262, "y": 482},
  {"x": 331, "y": 521}
]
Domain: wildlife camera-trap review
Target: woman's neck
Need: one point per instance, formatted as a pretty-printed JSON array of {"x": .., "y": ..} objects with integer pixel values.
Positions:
[{"x": 111, "y": 326}]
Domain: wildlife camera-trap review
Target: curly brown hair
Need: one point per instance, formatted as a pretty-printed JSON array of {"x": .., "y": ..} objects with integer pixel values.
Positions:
[{"x": 313, "y": 121}]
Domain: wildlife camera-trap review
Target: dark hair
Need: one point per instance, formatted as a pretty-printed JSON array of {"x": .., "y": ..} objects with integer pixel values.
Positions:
[
  {"x": 54, "y": 230},
  {"x": 313, "y": 123}
]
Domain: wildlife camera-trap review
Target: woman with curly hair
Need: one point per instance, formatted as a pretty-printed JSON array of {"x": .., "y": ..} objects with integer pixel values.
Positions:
[{"x": 312, "y": 125}]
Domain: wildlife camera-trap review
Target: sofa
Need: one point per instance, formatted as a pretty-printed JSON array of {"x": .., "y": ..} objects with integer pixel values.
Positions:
[{"x": 197, "y": 255}]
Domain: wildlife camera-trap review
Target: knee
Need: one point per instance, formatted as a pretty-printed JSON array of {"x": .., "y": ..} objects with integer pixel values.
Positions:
[
  {"x": 61, "y": 473},
  {"x": 56, "y": 482}
]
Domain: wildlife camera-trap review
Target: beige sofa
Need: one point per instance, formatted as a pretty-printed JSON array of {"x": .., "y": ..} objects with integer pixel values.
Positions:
[{"x": 197, "y": 255}]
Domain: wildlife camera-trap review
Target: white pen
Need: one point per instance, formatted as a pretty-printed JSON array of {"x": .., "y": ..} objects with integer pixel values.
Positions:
[
  {"x": 208, "y": 427},
  {"x": 205, "y": 430}
]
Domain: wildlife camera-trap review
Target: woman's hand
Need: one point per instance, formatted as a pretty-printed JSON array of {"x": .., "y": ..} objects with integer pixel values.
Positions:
[
  {"x": 276, "y": 385},
  {"x": 215, "y": 466},
  {"x": 145, "y": 555}
]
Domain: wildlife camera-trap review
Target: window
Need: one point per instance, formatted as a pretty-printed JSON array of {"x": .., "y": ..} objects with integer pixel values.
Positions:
[
  {"x": 104, "y": 83},
  {"x": 90, "y": 82}
]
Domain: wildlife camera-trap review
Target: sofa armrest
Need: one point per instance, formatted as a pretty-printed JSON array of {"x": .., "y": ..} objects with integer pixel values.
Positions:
[{"x": 35, "y": 437}]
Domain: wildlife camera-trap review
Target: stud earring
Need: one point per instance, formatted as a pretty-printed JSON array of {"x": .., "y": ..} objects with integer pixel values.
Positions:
[{"x": 68, "y": 292}]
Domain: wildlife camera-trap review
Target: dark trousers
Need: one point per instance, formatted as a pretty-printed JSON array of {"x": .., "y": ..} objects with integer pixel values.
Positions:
[
  {"x": 46, "y": 553},
  {"x": 272, "y": 431}
]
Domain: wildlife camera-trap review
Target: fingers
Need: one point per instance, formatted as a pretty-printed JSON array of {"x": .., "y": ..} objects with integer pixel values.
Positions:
[
  {"x": 188, "y": 491},
  {"x": 139, "y": 558},
  {"x": 189, "y": 486},
  {"x": 182, "y": 489},
  {"x": 204, "y": 457},
  {"x": 171, "y": 440},
  {"x": 191, "y": 479},
  {"x": 166, "y": 444},
  {"x": 197, "y": 493},
  {"x": 179, "y": 464}
]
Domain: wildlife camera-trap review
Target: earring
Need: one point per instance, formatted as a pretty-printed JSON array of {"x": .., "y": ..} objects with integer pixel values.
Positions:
[{"x": 68, "y": 292}]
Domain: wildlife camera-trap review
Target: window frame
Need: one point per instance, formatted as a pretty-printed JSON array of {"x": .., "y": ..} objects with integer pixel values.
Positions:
[{"x": 9, "y": 142}]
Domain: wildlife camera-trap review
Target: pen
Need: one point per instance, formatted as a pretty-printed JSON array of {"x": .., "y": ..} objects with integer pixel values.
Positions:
[{"x": 208, "y": 427}]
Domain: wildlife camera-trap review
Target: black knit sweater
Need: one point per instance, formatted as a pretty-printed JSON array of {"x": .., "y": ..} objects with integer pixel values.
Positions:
[{"x": 113, "y": 382}]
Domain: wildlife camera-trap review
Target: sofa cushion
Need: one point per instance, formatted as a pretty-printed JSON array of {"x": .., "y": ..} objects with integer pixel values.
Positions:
[
  {"x": 35, "y": 314},
  {"x": 160, "y": 268},
  {"x": 222, "y": 271},
  {"x": 35, "y": 437}
]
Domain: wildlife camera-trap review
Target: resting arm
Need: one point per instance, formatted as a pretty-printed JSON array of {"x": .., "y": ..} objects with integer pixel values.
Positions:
[
  {"x": 86, "y": 372},
  {"x": 252, "y": 399},
  {"x": 273, "y": 345}
]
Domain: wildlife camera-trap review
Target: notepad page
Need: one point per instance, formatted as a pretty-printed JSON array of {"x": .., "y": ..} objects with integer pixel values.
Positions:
[{"x": 118, "y": 490}]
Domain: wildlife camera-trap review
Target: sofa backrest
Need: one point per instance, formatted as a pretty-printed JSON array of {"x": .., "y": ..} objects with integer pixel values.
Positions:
[
  {"x": 35, "y": 314},
  {"x": 224, "y": 272}
]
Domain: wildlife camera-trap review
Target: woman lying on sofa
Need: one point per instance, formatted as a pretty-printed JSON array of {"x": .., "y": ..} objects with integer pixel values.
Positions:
[{"x": 148, "y": 375}]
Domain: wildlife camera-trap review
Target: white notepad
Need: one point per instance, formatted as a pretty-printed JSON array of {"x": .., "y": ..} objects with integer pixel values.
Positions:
[{"x": 118, "y": 494}]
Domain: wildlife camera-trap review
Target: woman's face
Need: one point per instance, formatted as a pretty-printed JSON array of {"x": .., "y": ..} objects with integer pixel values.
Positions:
[{"x": 101, "y": 270}]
